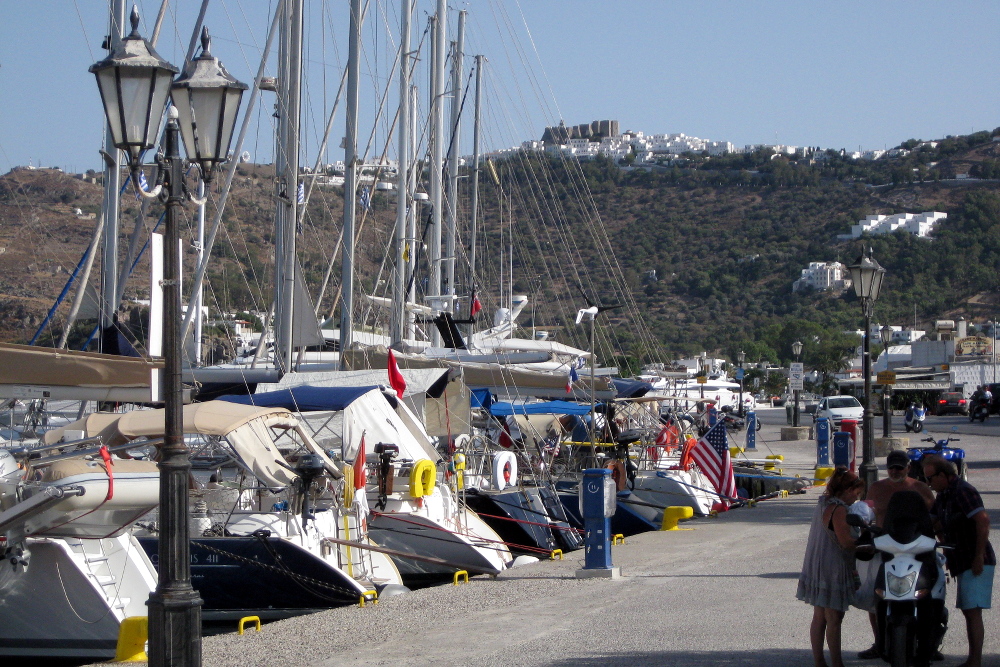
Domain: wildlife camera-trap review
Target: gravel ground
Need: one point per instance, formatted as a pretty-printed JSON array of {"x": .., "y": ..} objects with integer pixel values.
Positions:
[{"x": 721, "y": 594}]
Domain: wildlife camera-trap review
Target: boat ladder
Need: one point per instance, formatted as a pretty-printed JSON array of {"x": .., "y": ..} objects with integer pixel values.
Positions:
[{"x": 97, "y": 558}]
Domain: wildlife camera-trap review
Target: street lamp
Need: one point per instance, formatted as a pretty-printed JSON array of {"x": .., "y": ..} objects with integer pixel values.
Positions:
[
  {"x": 867, "y": 276},
  {"x": 886, "y": 334},
  {"x": 134, "y": 82},
  {"x": 741, "y": 357},
  {"x": 797, "y": 351}
]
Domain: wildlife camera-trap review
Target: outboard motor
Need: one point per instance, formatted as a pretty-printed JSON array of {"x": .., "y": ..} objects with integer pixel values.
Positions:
[
  {"x": 308, "y": 468},
  {"x": 386, "y": 453}
]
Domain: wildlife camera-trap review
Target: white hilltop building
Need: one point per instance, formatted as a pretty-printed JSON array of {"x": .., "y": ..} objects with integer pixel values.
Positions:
[
  {"x": 918, "y": 224},
  {"x": 822, "y": 276}
]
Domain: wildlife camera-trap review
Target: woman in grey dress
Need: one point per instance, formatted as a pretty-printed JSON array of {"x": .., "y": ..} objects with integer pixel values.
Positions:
[{"x": 828, "y": 580}]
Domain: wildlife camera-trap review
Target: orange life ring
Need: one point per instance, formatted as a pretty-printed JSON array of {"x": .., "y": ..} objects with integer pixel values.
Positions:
[
  {"x": 617, "y": 473},
  {"x": 686, "y": 458}
]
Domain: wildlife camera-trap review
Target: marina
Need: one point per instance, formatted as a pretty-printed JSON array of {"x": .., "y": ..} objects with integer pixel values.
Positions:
[{"x": 447, "y": 400}]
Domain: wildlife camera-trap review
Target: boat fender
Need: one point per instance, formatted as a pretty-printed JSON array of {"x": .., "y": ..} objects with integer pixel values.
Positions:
[
  {"x": 504, "y": 470},
  {"x": 618, "y": 473},
  {"x": 423, "y": 477},
  {"x": 459, "y": 463},
  {"x": 686, "y": 458}
]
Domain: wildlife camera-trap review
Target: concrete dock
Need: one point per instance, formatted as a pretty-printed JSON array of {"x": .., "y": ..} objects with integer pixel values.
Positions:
[{"x": 720, "y": 594}]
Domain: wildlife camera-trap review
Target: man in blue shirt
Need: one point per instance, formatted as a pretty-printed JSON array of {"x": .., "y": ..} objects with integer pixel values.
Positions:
[{"x": 961, "y": 521}]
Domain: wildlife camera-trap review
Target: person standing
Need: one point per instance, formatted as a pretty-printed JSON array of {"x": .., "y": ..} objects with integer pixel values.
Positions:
[
  {"x": 828, "y": 579},
  {"x": 897, "y": 465},
  {"x": 961, "y": 521}
]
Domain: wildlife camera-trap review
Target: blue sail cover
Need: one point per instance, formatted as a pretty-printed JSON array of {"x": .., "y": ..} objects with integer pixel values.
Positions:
[
  {"x": 631, "y": 388},
  {"x": 545, "y": 408},
  {"x": 303, "y": 398}
]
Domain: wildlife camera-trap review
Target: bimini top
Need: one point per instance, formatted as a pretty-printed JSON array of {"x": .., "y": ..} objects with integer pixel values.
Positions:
[
  {"x": 304, "y": 398},
  {"x": 542, "y": 408}
]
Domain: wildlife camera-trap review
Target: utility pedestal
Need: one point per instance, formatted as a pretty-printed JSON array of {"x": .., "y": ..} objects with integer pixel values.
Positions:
[{"x": 598, "y": 498}]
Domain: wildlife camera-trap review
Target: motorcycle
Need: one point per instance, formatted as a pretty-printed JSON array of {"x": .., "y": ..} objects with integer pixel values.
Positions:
[
  {"x": 940, "y": 448},
  {"x": 913, "y": 420},
  {"x": 980, "y": 410},
  {"x": 910, "y": 586}
]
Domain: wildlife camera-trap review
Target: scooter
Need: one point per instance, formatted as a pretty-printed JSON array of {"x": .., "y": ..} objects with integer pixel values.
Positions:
[
  {"x": 910, "y": 587},
  {"x": 980, "y": 410},
  {"x": 913, "y": 420},
  {"x": 940, "y": 448}
]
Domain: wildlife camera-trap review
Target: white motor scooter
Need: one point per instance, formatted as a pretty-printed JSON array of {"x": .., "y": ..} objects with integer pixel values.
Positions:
[{"x": 910, "y": 586}]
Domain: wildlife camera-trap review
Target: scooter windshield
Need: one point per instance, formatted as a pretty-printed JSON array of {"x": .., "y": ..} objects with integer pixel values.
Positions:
[{"x": 907, "y": 517}]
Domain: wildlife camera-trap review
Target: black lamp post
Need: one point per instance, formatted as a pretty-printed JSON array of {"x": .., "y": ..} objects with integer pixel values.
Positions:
[
  {"x": 797, "y": 351},
  {"x": 134, "y": 82},
  {"x": 740, "y": 358},
  {"x": 886, "y": 335},
  {"x": 867, "y": 276}
]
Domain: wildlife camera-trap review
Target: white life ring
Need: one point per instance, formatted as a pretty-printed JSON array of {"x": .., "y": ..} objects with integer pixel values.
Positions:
[{"x": 504, "y": 470}]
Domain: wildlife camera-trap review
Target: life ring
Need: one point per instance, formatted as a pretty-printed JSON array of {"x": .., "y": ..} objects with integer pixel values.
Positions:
[
  {"x": 686, "y": 458},
  {"x": 504, "y": 470},
  {"x": 617, "y": 469},
  {"x": 423, "y": 477}
]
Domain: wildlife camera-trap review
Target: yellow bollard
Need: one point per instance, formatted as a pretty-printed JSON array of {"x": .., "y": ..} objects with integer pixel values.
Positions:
[
  {"x": 672, "y": 515},
  {"x": 771, "y": 460},
  {"x": 364, "y": 597},
  {"x": 735, "y": 451},
  {"x": 460, "y": 573},
  {"x": 617, "y": 538},
  {"x": 248, "y": 619},
  {"x": 822, "y": 474},
  {"x": 554, "y": 553},
  {"x": 132, "y": 636}
]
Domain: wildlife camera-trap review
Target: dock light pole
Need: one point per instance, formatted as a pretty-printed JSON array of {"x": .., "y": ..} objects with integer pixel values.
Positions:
[
  {"x": 797, "y": 351},
  {"x": 867, "y": 275},
  {"x": 740, "y": 358},
  {"x": 134, "y": 83},
  {"x": 886, "y": 335}
]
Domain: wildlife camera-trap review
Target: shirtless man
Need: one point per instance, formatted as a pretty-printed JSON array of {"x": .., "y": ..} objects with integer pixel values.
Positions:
[{"x": 898, "y": 465}]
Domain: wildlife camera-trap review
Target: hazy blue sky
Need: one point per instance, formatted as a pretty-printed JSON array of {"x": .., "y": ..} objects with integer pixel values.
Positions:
[{"x": 835, "y": 74}]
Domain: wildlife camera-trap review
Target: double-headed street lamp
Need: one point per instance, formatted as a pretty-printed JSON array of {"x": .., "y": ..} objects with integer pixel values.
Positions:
[
  {"x": 134, "y": 83},
  {"x": 741, "y": 357},
  {"x": 797, "y": 351},
  {"x": 867, "y": 275},
  {"x": 886, "y": 334}
]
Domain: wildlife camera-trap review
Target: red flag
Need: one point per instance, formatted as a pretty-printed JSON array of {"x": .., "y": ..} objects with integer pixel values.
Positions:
[
  {"x": 476, "y": 306},
  {"x": 396, "y": 380}
]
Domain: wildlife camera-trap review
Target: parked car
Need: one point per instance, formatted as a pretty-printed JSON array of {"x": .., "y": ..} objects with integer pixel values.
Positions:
[
  {"x": 837, "y": 409},
  {"x": 952, "y": 402}
]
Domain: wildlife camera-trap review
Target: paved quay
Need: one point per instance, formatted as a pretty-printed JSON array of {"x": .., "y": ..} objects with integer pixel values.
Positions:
[{"x": 720, "y": 594}]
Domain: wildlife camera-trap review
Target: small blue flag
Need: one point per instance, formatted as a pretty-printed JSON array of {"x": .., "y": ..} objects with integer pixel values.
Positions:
[
  {"x": 366, "y": 198},
  {"x": 301, "y": 198}
]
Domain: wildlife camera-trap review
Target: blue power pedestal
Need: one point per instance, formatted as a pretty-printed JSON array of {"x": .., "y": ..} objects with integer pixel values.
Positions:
[
  {"x": 842, "y": 449},
  {"x": 751, "y": 431},
  {"x": 823, "y": 442},
  {"x": 598, "y": 502}
]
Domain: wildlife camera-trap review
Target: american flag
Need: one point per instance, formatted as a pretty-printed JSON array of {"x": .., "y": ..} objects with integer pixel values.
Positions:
[{"x": 711, "y": 453}]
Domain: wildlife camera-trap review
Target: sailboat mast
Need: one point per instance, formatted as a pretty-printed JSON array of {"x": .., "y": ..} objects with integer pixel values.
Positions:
[
  {"x": 411, "y": 214},
  {"x": 290, "y": 100},
  {"x": 404, "y": 195},
  {"x": 437, "y": 153},
  {"x": 452, "y": 207},
  {"x": 350, "y": 182},
  {"x": 112, "y": 186},
  {"x": 473, "y": 223}
]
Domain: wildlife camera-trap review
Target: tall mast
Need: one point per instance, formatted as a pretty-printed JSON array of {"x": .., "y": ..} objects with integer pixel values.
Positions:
[
  {"x": 411, "y": 214},
  {"x": 350, "y": 182},
  {"x": 437, "y": 152},
  {"x": 404, "y": 195},
  {"x": 290, "y": 103},
  {"x": 452, "y": 206},
  {"x": 112, "y": 186},
  {"x": 473, "y": 223}
]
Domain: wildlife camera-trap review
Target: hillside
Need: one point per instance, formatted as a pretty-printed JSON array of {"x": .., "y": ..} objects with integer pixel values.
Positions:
[{"x": 725, "y": 236}]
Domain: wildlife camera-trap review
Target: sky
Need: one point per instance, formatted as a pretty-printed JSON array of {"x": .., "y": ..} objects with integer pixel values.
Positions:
[{"x": 845, "y": 74}]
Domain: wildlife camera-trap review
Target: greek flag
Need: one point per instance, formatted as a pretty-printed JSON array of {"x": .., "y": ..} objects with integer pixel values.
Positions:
[
  {"x": 301, "y": 197},
  {"x": 143, "y": 184},
  {"x": 366, "y": 198}
]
